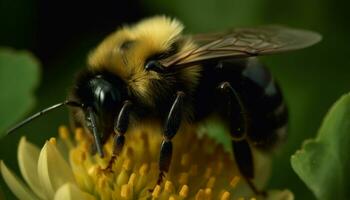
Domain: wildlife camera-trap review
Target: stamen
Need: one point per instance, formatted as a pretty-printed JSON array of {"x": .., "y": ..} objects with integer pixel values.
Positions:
[
  {"x": 208, "y": 172},
  {"x": 79, "y": 134},
  {"x": 126, "y": 191},
  {"x": 142, "y": 179},
  {"x": 183, "y": 178},
  {"x": 93, "y": 171},
  {"x": 235, "y": 181},
  {"x": 65, "y": 137},
  {"x": 123, "y": 176},
  {"x": 132, "y": 179},
  {"x": 143, "y": 169},
  {"x": 208, "y": 193},
  {"x": 156, "y": 191},
  {"x": 225, "y": 196},
  {"x": 53, "y": 141},
  {"x": 168, "y": 187},
  {"x": 200, "y": 195},
  {"x": 129, "y": 153},
  {"x": 102, "y": 182},
  {"x": 211, "y": 182},
  {"x": 127, "y": 165},
  {"x": 63, "y": 132},
  {"x": 172, "y": 198},
  {"x": 184, "y": 191}
]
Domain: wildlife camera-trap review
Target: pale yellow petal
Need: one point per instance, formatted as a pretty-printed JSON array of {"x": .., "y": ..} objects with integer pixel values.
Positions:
[
  {"x": 28, "y": 155},
  {"x": 53, "y": 170},
  {"x": 17, "y": 186},
  {"x": 70, "y": 191},
  {"x": 280, "y": 195},
  {"x": 263, "y": 168}
]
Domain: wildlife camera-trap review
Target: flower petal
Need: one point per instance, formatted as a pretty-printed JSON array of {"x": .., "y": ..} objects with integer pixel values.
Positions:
[
  {"x": 263, "y": 168},
  {"x": 17, "y": 186},
  {"x": 53, "y": 170},
  {"x": 280, "y": 195},
  {"x": 70, "y": 191},
  {"x": 28, "y": 155}
]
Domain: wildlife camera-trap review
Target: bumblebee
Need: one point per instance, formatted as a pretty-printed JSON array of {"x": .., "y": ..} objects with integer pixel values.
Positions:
[{"x": 151, "y": 71}]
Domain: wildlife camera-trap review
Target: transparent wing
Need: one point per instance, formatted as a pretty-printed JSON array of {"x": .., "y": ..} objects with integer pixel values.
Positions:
[{"x": 242, "y": 42}]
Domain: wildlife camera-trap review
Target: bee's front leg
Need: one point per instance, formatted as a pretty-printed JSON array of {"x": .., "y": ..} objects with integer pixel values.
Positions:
[
  {"x": 91, "y": 124},
  {"x": 172, "y": 125},
  {"x": 120, "y": 127}
]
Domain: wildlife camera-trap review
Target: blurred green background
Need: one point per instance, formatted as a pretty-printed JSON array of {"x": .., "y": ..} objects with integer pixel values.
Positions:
[{"x": 61, "y": 34}]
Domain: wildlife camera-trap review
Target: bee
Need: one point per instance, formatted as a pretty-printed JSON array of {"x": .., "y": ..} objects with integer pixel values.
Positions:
[{"x": 151, "y": 71}]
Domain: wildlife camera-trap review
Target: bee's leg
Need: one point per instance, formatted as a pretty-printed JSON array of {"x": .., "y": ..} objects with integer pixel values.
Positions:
[
  {"x": 238, "y": 122},
  {"x": 91, "y": 123},
  {"x": 93, "y": 148},
  {"x": 244, "y": 159},
  {"x": 172, "y": 125},
  {"x": 120, "y": 127}
]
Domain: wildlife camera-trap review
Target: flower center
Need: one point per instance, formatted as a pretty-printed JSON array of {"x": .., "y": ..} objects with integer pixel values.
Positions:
[{"x": 200, "y": 167}]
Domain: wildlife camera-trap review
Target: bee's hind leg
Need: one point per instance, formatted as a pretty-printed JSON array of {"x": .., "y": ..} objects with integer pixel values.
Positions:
[
  {"x": 120, "y": 127},
  {"x": 244, "y": 159},
  {"x": 238, "y": 123},
  {"x": 172, "y": 125}
]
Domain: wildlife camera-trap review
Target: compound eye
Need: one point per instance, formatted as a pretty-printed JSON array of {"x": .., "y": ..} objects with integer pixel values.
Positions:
[{"x": 154, "y": 65}]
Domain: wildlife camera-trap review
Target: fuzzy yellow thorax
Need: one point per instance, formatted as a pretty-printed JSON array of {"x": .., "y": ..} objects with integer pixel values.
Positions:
[{"x": 126, "y": 51}]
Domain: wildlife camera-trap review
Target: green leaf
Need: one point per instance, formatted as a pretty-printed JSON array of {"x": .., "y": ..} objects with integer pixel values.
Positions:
[
  {"x": 324, "y": 163},
  {"x": 19, "y": 76}
]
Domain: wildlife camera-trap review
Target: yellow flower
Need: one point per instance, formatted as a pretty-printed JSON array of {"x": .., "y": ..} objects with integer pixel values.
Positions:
[{"x": 64, "y": 169}]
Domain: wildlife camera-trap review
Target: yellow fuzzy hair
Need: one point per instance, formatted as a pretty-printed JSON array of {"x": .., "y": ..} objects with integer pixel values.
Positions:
[{"x": 151, "y": 36}]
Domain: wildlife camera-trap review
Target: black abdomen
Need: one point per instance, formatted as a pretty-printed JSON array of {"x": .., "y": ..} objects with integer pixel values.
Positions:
[{"x": 260, "y": 94}]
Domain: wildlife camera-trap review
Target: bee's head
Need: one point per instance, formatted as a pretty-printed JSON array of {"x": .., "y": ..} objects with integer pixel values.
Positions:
[
  {"x": 102, "y": 91},
  {"x": 132, "y": 52},
  {"x": 102, "y": 95}
]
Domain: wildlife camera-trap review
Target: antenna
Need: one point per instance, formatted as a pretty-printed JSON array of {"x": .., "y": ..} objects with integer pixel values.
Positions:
[{"x": 44, "y": 111}]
